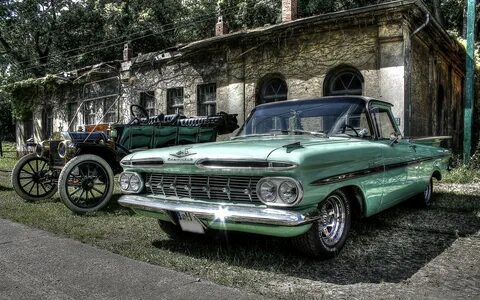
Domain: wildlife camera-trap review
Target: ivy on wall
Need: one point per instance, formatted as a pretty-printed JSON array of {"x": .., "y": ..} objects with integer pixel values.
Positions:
[{"x": 26, "y": 94}]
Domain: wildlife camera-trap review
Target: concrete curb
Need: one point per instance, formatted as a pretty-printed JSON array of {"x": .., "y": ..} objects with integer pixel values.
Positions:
[{"x": 35, "y": 264}]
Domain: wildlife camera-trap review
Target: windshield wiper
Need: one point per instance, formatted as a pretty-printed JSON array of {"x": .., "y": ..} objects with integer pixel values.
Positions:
[
  {"x": 295, "y": 131},
  {"x": 250, "y": 135}
]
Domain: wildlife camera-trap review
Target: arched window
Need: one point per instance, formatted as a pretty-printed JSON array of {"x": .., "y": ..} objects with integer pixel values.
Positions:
[
  {"x": 343, "y": 81},
  {"x": 272, "y": 89}
]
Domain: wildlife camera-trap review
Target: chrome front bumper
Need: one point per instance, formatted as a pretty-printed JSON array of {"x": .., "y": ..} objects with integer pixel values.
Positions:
[{"x": 212, "y": 211}]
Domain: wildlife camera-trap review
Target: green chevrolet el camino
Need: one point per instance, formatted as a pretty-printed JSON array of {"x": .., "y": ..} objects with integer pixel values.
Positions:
[{"x": 300, "y": 169}]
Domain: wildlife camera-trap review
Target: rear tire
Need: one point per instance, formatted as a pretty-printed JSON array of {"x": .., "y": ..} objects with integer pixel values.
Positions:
[
  {"x": 424, "y": 199},
  {"x": 327, "y": 235}
]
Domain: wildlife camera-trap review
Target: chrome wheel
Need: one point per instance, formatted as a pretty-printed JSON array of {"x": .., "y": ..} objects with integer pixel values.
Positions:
[
  {"x": 333, "y": 220},
  {"x": 327, "y": 236}
]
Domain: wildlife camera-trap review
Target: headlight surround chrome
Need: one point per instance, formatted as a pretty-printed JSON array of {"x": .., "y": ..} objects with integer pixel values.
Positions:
[
  {"x": 279, "y": 191},
  {"x": 130, "y": 182},
  {"x": 64, "y": 149},
  {"x": 42, "y": 149}
]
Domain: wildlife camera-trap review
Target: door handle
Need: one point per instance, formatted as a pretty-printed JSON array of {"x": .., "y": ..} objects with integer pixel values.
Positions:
[{"x": 414, "y": 147}]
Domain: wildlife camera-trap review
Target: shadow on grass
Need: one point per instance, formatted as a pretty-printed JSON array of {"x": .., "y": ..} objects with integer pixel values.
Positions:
[
  {"x": 112, "y": 208},
  {"x": 389, "y": 247},
  {"x": 5, "y": 188}
]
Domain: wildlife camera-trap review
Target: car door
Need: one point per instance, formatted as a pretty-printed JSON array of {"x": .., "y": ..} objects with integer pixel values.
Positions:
[{"x": 398, "y": 157}]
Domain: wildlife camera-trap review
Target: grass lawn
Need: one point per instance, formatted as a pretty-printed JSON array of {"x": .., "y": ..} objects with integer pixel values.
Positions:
[{"x": 389, "y": 247}]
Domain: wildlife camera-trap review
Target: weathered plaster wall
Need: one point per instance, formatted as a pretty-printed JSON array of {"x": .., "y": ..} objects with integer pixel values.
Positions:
[
  {"x": 304, "y": 59},
  {"x": 391, "y": 70}
]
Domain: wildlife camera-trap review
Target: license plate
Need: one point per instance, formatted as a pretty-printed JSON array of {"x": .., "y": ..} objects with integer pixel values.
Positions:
[{"x": 188, "y": 222}]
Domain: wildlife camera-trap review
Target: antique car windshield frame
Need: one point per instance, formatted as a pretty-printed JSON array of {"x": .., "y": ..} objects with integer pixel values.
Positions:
[{"x": 366, "y": 102}]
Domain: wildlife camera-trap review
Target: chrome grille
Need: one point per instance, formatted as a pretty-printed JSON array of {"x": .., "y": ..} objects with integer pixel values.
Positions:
[{"x": 215, "y": 188}]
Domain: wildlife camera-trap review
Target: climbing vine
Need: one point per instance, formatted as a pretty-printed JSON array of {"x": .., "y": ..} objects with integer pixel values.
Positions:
[{"x": 26, "y": 94}]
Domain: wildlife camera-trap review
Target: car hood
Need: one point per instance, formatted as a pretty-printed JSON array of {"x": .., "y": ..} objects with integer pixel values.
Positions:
[{"x": 289, "y": 148}]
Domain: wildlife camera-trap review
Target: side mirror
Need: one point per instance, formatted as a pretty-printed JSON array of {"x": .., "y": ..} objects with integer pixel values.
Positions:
[{"x": 394, "y": 138}]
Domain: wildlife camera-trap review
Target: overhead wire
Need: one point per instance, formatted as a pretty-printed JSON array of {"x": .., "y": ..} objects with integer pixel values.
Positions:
[{"x": 178, "y": 26}]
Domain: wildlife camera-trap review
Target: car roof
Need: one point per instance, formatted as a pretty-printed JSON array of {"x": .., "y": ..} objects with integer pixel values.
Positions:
[{"x": 331, "y": 98}]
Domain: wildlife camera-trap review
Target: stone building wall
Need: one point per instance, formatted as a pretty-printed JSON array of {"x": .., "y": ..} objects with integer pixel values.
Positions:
[{"x": 411, "y": 71}]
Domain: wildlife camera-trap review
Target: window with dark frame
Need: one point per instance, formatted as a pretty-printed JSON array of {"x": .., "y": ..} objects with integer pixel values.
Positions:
[
  {"x": 147, "y": 100},
  {"x": 273, "y": 90},
  {"x": 345, "y": 81},
  {"x": 47, "y": 122},
  {"x": 89, "y": 112},
  {"x": 71, "y": 115},
  {"x": 100, "y": 101},
  {"x": 207, "y": 99},
  {"x": 175, "y": 100},
  {"x": 94, "y": 110}
]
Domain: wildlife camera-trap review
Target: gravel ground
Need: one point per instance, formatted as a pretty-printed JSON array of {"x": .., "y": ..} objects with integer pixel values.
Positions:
[{"x": 427, "y": 254}]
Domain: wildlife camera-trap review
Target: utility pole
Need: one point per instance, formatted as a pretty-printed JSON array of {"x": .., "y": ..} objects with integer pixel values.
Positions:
[{"x": 469, "y": 81}]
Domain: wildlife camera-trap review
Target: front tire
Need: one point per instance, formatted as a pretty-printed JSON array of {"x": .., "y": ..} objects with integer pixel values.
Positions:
[
  {"x": 86, "y": 183},
  {"x": 327, "y": 235},
  {"x": 32, "y": 178}
]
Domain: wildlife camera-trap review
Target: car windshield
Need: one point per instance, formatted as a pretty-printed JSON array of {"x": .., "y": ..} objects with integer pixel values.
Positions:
[{"x": 323, "y": 118}]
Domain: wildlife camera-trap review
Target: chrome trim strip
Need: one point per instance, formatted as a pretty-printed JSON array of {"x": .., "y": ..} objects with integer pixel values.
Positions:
[
  {"x": 143, "y": 163},
  {"x": 212, "y": 212},
  {"x": 373, "y": 170},
  {"x": 240, "y": 161}
]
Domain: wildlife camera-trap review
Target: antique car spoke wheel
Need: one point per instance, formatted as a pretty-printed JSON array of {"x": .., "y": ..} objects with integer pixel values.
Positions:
[
  {"x": 32, "y": 178},
  {"x": 86, "y": 183},
  {"x": 327, "y": 235}
]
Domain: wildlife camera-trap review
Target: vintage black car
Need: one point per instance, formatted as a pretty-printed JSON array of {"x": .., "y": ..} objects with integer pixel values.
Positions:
[{"x": 82, "y": 164}]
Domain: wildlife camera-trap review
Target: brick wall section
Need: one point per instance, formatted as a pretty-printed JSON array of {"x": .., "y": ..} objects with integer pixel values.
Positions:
[{"x": 220, "y": 27}]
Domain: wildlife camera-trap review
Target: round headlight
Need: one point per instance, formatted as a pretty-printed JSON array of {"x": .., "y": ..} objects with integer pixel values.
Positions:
[
  {"x": 125, "y": 181},
  {"x": 288, "y": 192},
  {"x": 134, "y": 183},
  {"x": 268, "y": 191},
  {"x": 62, "y": 149},
  {"x": 279, "y": 191}
]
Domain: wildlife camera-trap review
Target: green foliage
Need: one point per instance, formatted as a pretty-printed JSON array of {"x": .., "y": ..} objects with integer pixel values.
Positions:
[
  {"x": 248, "y": 13},
  {"x": 39, "y": 37},
  {"x": 22, "y": 95},
  {"x": 7, "y": 128},
  {"x": 464, "y": 173}
]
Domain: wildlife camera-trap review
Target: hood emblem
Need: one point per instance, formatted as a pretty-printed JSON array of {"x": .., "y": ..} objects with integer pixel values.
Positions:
[{"x": 182, "y": 153}]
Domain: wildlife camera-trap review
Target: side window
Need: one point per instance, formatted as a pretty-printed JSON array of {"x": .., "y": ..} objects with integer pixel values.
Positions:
[
  {"x": 147, "y": 100},
  {"x": 175, "y": 101},
  {"x": 384, "y": 122},
  {"x": 207, "y": 99}
]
